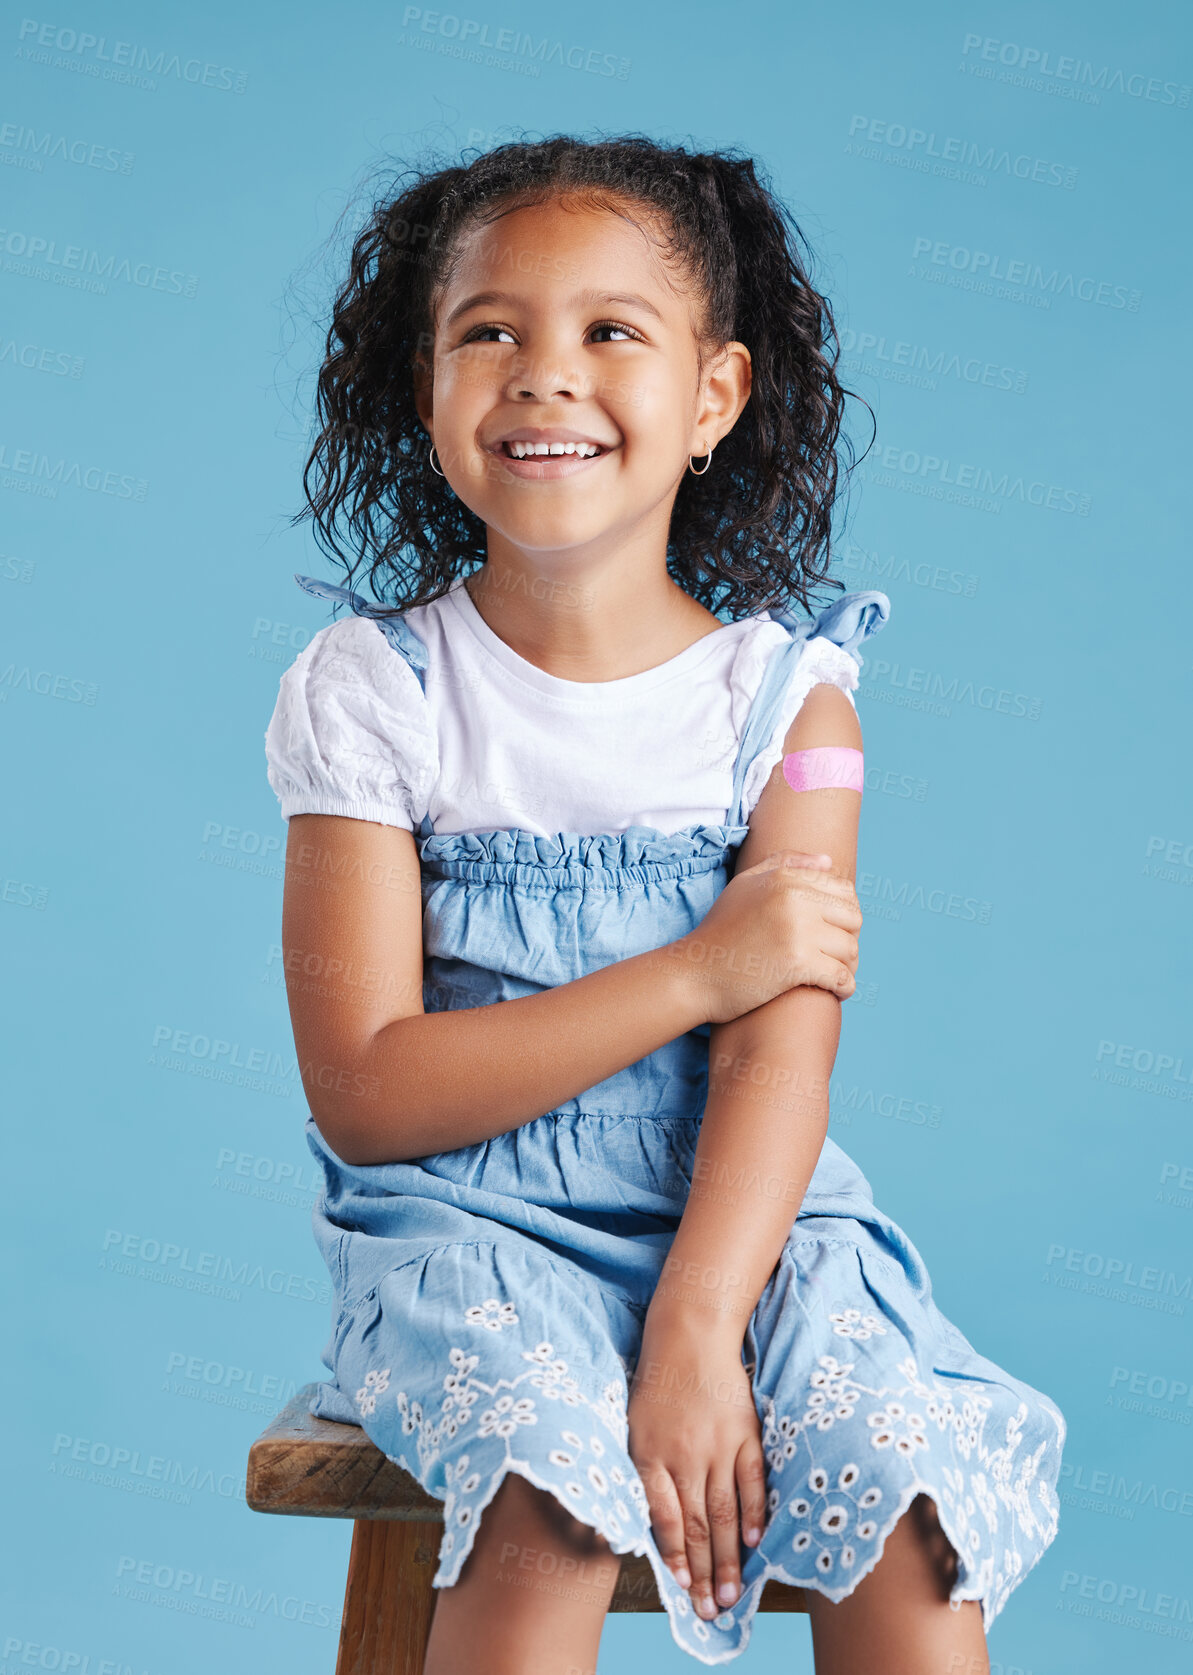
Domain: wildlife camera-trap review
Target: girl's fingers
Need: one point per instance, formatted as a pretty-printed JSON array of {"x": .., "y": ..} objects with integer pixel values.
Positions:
[
  {"x": 750, "y": 1470},
  {"x": 698, "y": 1538},
  {"x": 721, "y": 1500},
  {"x": 840, "y": 946},
  {"x": 830, "y": 974},
  {"x": 841, "y": 909},
  {"x": 837, "y": 978},
  {"x": 666, "y": 1517}
]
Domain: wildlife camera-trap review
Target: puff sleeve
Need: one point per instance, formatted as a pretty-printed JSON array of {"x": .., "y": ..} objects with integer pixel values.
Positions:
[
  {"x": 351, "y": 733},
  {"x": 821, "y": 660}
]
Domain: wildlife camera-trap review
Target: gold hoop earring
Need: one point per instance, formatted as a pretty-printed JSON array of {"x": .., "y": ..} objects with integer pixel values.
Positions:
[
  {"x": 431, "y": 461},
  {"x": 707, "y": 463}
]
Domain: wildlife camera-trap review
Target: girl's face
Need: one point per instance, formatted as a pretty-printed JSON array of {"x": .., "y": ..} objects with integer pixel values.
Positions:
[{"x": 561, "y": 324}]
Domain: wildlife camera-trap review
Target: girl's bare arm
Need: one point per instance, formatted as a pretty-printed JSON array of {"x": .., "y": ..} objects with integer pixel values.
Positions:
[
  {"x": 700, "y": 1453},
  {"x": 386, "y": 1081},
  {"x": 768, "y": 1106}
]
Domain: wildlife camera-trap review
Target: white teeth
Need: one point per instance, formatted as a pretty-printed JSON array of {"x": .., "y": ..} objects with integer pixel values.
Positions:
[{"x": 526, "y": 450}]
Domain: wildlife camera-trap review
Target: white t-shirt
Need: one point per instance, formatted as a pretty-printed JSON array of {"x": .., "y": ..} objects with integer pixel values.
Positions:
[{"x": 496, "y": 742}]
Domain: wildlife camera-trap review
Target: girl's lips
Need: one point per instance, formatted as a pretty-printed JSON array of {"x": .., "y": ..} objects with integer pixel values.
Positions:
[{"x": 546, "y": 467}]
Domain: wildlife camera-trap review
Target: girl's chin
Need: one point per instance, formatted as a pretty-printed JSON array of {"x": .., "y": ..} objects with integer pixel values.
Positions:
[{"x": 550, "y": 535}]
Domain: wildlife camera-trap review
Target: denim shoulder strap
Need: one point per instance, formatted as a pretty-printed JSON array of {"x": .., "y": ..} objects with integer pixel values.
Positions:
[
  {"x": 848, "y": 621},
  {"x": 395, "y": 628}
]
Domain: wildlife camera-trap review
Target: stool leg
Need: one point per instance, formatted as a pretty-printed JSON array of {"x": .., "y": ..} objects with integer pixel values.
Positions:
[{"x": 389, "y": 1600}]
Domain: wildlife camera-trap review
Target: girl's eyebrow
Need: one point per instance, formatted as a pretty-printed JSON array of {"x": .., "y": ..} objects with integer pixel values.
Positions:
[{"x": 482, "y": 299}]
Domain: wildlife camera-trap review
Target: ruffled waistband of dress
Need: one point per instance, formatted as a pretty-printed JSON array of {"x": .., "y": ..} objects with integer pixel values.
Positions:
[{"x": 639, "y": 851}]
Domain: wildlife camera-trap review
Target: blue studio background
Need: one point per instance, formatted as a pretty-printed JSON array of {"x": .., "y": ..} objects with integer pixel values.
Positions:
[{"x": 994, "y": 196}]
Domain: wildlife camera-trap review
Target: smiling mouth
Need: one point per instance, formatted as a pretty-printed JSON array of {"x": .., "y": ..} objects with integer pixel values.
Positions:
[{"x": 550, "y": 450}]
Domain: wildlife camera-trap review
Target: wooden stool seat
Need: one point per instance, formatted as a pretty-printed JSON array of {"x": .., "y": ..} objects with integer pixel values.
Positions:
[{"x": 316, "y": 1468}]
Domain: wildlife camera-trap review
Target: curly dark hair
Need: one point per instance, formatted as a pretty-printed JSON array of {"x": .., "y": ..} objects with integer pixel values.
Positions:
[{"x": 750, "y": 535}]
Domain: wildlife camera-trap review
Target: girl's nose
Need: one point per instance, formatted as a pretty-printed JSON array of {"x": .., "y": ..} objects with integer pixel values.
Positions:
[{"x": 537, "y": 378}]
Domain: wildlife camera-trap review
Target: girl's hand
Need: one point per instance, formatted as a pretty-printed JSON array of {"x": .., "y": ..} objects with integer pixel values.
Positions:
[
  {"x": 695, "y": 1439},
  {"x": 784, "y": 922}
]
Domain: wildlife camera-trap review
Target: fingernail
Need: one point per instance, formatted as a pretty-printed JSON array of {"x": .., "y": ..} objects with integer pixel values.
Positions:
[
  {"x": 683, "y": 1576},
  {"x": 727, "y": 1593},
  {"x": 753, "y": 1534},
  {"x": 705, "y": 1606}
]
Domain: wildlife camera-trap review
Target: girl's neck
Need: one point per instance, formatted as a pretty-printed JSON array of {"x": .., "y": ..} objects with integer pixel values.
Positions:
[{"x": 595, "y": 625}]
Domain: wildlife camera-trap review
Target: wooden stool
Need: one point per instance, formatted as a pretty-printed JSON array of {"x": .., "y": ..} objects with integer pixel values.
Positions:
[{"x": 319, "y": 1469}]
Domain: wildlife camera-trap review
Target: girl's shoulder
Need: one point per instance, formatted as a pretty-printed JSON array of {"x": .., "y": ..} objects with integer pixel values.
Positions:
[
  {"x": 352, "y": 650},
  {"x": 803, "y": 651},
  {"x": 351, "y": 733},
  {"x": 778, "y": 666}
]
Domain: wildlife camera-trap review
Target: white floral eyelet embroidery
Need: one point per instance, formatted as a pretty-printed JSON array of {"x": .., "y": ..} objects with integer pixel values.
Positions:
[
  {"x": 833, "y": 1514},
  {"x": 374, "y": 1385},
  {"x": 898, "y": 1420},
  {"x": 496, "y": 1410},
  {"x": 852, "y": 1323},
  {"x": 491, "y": 1314}
]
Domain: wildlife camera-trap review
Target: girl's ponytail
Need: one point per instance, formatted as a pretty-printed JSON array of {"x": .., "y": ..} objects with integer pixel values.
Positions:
[{"x": 783, "y": 452}]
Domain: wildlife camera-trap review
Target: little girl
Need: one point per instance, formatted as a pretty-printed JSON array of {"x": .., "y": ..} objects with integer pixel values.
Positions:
[{"x": 569, "y": 917}]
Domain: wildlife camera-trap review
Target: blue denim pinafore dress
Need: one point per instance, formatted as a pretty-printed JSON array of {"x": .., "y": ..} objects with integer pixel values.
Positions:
[{"x": 489, "y": 1301}]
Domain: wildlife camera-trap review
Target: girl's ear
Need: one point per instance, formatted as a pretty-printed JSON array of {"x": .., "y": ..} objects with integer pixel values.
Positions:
[{"x": 726, "y": 390}]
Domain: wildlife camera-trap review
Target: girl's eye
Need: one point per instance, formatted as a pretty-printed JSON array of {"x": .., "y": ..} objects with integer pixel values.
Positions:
[
  {"x": 477, "y": 333},
  {"x": 613, "y": 326}
]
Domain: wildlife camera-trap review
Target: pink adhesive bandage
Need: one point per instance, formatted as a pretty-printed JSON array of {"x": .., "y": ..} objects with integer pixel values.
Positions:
[{"x": 835, "y": 767}]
